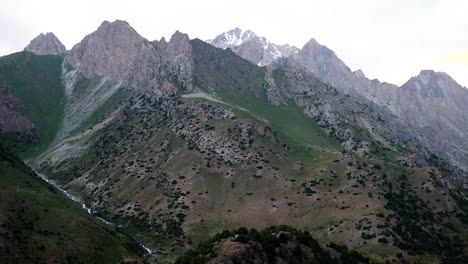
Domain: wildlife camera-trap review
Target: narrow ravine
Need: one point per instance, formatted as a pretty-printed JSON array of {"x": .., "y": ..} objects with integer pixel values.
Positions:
[{"x": 83, "y": 205}]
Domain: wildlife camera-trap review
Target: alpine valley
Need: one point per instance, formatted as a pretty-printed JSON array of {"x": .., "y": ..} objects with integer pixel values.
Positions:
[{"x": 231, "y": 150}]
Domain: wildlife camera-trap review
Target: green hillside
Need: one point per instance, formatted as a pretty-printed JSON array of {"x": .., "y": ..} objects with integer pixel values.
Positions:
[
  {"x": 36, "y": 81},
  {"x": 40, "y": 225},
  {"x": 289, "y": 120}
]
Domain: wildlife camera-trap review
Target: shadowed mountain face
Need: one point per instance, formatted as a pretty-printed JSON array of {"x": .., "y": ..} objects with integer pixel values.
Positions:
[
  {"x": 12, "y": 118},
  {"x": 176, "y": 140},
  {"x": 16, "y": 129},
  {"x": 33, "y": 100}
]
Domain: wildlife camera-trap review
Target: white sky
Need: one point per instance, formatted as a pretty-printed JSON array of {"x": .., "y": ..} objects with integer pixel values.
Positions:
[{"x": 391, "y": 40}]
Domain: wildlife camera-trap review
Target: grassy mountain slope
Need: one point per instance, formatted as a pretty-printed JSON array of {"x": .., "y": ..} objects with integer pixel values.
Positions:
[
  {"x": 175, "y": 171},
  {"x": 40, "y": 225},
  {"x": 288, "y": 119},
  {"x": 36, "y": 81},
  {"x": 179, "y": 174}
]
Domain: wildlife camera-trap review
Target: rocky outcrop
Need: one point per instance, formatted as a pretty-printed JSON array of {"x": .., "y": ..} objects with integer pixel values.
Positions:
[
  {"x": 274, "y": 245},
  {"x": 16, "y": 129},
  {"x": 177, "y": 53},
  {"x": 12, "y": 117},
  {"x": 274, "y": 96},
  {"x": 47, "y": 44},
  {"x": 236, "y": 252},
  {"x": 251, "y": 47}
]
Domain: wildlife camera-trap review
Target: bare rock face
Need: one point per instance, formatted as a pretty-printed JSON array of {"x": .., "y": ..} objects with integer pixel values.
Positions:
[
  {"x": 47, "y": 44},
  {"x": 274, "y": 96},
  {"x": 115, "y": 51},
  {"x": 178, "y": 55},
  {"x": 435, "y": 107},
  {"x": 251, "y": 47},
  {"x": 325, "y": 64}
]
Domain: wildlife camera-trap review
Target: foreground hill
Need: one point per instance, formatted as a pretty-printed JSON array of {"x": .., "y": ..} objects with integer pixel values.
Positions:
[
  {"x": 41, "y": 225},
  {"x": 32, "y": 87},
  {"x": 280, "y": 244}
]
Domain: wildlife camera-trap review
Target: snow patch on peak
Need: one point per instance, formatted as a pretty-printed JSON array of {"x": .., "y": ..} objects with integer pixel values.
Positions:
[
  {"x": 252, "y": 47},
  {"x": 232, "y": 38}
]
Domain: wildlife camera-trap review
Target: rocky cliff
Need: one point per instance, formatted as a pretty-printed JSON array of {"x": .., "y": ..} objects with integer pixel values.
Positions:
[
  {"x": 115, "y": 51},
  {"x": 435, "y": 108}
]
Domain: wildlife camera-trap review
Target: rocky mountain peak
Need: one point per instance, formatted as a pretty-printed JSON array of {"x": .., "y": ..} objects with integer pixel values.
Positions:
[
  {"x": 324, "y": 63},
  {"x": 232, "y": 38},
  {"x": 178, "y": 53},
  {"x": 117, "y": 22},
  {"x": 430, "y": 83},
  {"x": 359, "y": 73},
  {"x": 112, "y": 50},
  {"x": 179, "y": 36},
  {"x": 116, "y": 52},
  {"x": 119, "y": 29},
  {"x": 312, "y": 47},
  {"x": 428, "y": 74},
  {"x": 252, "y": 47},
  {"x": 46, "y": 44}
]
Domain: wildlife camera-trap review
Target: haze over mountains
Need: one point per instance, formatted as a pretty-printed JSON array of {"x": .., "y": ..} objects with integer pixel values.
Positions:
[{"x": 173, "y": 141}]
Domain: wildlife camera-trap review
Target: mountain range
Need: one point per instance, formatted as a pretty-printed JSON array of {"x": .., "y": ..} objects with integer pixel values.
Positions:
[
  {"x": 432, "y": 105},
  {"x": 174, "y": 141}
]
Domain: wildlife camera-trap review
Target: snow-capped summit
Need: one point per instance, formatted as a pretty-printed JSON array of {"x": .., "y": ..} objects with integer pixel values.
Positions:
[
  {"x": 249, "y": 46},
  {"x": 232, "y": 38}
]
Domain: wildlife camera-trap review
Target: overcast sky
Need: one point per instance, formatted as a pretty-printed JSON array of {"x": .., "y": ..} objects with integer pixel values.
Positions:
[{"x": 390, "y": 40}]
